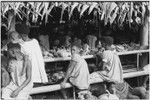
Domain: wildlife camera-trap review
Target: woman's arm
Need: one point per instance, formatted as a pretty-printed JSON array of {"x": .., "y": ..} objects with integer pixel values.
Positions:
[
  {"x": 25, "y": 63},
  {"x": 28, "y": 71},
  {"x": 5, "y": 77}
]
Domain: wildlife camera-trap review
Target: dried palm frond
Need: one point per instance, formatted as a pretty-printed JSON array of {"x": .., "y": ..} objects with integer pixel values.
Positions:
[
  {"x": 75, "y": 4},
  {"x": 48, "y": 11},
  {"x": 112, "y": 7},
  {"x": 84, "y": 8},
  {"x": 108, "y": 11},
  {"x": 64, "y": 6},
  {"x": 104, "y": 7},
  {"x": 79, "y": 7},
  {"x": 92, "y": 6},
  {"x": 5, "y": 8},
  {"x": 45, "y": 9},
  {"x": 130, "y": 13},
  {"x": 114, "y": 15}
]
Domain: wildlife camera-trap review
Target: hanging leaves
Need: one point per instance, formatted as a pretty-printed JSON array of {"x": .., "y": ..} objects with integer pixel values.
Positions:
[
  {"x": 48, "y": 12},
  {"x": 5, "y": 8},
  {"x": 84, "y": 8},
  {"x": 114, "y": 15},
  {"x": 75, "y": 4},
  {"x": 107, "y": 11},
  {"x": 112, "y": 6},
  {"x": 79, "y": 7},
  {"x": 143, "y": 11},
  {"x": 92, "y": 6},
  {"x": 130, "y": 13},
  {"x": 64, "y": 6},
  {"x": 104, "y": 7}
]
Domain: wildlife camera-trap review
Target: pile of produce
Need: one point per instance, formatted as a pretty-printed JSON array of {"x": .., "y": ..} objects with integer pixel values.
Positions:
[
  {"x": 66, "y": 52},
  {"x": 126, "y": 47},
  {"x": 61, "y": 52},
  {"x": 55, "y": 78}
]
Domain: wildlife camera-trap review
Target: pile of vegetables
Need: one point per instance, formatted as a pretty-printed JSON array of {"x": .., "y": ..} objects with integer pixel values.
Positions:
[{"x": 56, "y": 77}]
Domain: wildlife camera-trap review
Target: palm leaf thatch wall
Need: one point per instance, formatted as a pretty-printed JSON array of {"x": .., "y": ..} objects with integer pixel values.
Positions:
[{"x": 109, "y": 12}]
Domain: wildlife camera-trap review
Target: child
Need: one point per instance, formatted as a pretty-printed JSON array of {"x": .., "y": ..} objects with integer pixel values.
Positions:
[
  {"x": 20, "y": 86},
  {"x": 13, "y": 37},
  {"x": 78, "y": 73}
]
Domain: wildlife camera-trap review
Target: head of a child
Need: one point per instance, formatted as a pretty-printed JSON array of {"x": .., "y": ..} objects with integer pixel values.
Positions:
[
  {"x": 75, "y": 49},
  {"x": 107, "y": 41},
  {"x": 14, "y": 51},
  {"x": 23, "y": 31},
  {"x": 98, "y": 44},
  {"x": 14, "y": 36}
]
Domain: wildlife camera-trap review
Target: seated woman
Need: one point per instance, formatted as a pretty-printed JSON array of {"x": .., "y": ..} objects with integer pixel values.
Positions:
[
  {"x": 113, "y": 73},
  {"x": 112, "y": 68},
  {"x": 77, "y": 73},
  {"x": 20, "y": 85}
]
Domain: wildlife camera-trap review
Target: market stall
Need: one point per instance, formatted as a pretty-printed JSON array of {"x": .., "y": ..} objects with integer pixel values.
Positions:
[{"x": 62, "y": 23}]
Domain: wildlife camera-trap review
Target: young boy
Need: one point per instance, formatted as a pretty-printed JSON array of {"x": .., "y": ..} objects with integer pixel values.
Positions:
[
  {"x": 77, "y": 73},
  {"x": 19, "y": 86}
]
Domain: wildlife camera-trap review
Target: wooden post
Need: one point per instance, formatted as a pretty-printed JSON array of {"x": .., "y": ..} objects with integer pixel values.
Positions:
[
  {"x": 144, "y": 38},
  {"x": 144, "y": 41}
]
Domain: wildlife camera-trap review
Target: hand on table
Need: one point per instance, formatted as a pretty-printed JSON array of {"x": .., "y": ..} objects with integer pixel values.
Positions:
[
  {"x": 15, "y": 93},
  {"x": 63, "y": 84}
]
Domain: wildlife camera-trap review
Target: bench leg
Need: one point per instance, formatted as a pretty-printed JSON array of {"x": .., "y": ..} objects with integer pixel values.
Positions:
[{"x": 74, "y": 93}]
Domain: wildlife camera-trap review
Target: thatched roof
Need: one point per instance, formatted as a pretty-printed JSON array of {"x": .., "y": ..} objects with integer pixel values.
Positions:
[{"x": 109, "y": 12}]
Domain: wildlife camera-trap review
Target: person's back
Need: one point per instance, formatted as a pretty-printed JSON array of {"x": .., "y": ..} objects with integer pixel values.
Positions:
[
  {"x": 32, "y": 49},
  {"x": 114, "y": 67}
]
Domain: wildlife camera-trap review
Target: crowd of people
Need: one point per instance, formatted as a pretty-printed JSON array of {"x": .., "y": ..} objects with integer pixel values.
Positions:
[{"x": 24, "y": 65}]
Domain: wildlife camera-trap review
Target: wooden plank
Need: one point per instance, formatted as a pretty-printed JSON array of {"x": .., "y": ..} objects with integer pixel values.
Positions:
[
  {"x": 133, "y": 52},
  {"x": 65, "y": 58},
  {"x": 92, "y": 56},
  {"x": 50, "y": 88}
]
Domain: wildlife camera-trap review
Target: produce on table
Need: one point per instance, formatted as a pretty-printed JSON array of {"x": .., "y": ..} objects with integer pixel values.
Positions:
[
  {"x": 87, "y": 48},
  {"x": 55, "y": 77},
  {"x": 64, "y": 53},
  {"x": 91, "y": 41}
]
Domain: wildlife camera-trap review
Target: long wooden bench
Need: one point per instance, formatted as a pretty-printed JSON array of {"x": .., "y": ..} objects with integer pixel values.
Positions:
[{"x": 50, "y": 88}]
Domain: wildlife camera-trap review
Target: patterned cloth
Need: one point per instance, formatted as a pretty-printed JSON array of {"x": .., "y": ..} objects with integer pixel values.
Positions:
[
  {"x": 113, "y": 69},
  {"x": 122, "y": 90},
  {"x": 17, "y": 81}
]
